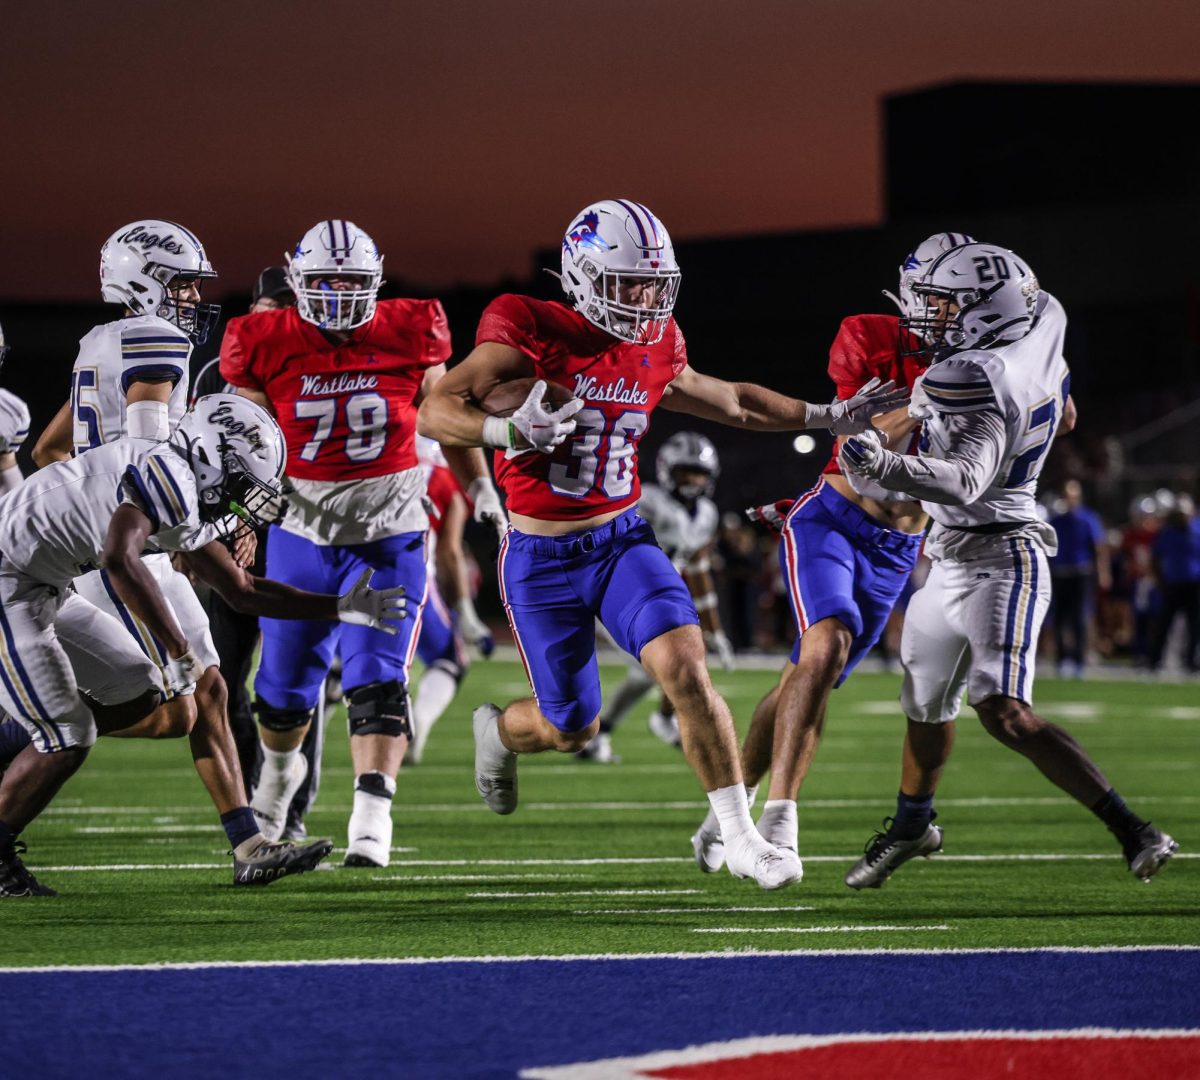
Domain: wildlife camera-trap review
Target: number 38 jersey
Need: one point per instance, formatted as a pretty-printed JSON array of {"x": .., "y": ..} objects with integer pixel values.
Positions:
[
  {"x": 112, "y": 357},
  {"x": 1026, "y": 383},
  {"x": 347, "y": 411},
  {"x": 595, "y": 470}
]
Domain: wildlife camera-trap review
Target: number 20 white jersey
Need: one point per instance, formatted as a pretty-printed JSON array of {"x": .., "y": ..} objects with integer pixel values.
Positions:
[
  {"x": 1027, "y": 382},
  {"x": 111, "y": 358}
]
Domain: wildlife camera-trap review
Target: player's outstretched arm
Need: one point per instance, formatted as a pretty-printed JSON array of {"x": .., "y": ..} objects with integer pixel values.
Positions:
[
  {"x": 748, "y": 405},
  {"x": 261, "y": 596}
]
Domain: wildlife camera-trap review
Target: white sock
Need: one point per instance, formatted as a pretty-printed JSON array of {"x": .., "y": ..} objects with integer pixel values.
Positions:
[
  {"x": 496, "y": 752},
  {"x": 777, "y": 823},
  {"x": 712, "y": 825},
  {"x": 276, "y": 771},
  {"x": 434, "y": 694},
  {"x": 729, "y": 804}
]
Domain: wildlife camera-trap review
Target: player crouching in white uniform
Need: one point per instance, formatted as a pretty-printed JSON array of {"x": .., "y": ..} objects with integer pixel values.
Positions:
[
  {"x": 990, "y": 406},
  {"x": 684, "y": 518},
  {"x": 225, "y": 458}
]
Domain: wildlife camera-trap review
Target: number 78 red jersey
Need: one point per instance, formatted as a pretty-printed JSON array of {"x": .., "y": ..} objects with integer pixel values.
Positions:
[
  {"x": 347, "y": 410},
  {"x": 595, "y": 470}
]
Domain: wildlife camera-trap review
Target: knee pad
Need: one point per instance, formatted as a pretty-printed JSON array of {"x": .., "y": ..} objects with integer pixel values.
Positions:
[
  {"x": 379, "y": 708},
  {"x": 454, "y": 670},
  {"x": 274, "y": 719}
]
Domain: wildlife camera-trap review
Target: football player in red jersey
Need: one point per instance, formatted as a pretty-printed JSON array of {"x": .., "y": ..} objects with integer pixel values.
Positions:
[
  {"x": 343, "y": 372},
  {"x": 848, "y": 548},
  {"x": 577, "y": 550}
]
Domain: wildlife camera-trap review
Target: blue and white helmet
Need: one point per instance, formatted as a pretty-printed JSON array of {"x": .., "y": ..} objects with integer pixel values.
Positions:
[
  {"x": 335, "y": 249},
  {"x": 142, "y": 262},
  {"x": 237, "y": 454},
  {"x": 615, "y": 242},
  {"x": 993, "y": 289},
  {"x": 917, "y": 260}
]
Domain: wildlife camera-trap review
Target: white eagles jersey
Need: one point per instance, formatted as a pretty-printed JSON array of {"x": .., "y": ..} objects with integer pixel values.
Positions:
[
  {"x": 111, "y": 358},
  {"x": 14, "y": 422},
  {"x": 681, "y": 533},
  {"x": 54, "y": 524},
  {"x": 1025, "y": 382}
]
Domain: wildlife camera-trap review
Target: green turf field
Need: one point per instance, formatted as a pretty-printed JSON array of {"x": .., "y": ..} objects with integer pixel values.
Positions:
[{"x": 597, "y": 858}]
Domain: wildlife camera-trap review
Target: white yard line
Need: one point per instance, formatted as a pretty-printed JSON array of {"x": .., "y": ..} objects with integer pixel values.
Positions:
[
  {"x": 403, "y": 879},
  {"x": 685, "y": 910},
  {"x": 591, "y": 958},
  {"x": 812, "y": 929},
  {"x": 583, "y": 892}
]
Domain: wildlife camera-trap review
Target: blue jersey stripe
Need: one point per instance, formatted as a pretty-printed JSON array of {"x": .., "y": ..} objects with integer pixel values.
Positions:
[
  {"x": 147, "y": 502},
  {"x": 183, "y": 504},
  {"x": 154, "y": 337}
]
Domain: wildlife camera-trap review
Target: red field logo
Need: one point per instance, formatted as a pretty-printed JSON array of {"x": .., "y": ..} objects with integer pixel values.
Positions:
[{"x": 1078, "y": 1054}]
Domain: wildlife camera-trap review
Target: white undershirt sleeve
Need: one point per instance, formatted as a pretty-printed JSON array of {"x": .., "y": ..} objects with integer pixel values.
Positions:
[
  {"x": 974, "y": 451},
  {"x": 148, "y": 420}
]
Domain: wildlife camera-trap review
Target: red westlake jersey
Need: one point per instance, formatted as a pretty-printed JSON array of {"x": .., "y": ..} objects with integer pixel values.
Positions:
[
  {"x": 441, "y": 487},
  {"x": 867, "y": 346},
  {"x": 347, "y": 410},
  {"x": 595, "y": 470}
]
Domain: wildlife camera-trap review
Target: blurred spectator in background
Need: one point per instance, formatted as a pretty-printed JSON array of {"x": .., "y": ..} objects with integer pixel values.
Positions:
[
  {"x": 741, "y": 567},
  {"x": 1136, "y": 582},
  {"x": 1176, "y": 552},
  {"x": 1081, "y": 565}
]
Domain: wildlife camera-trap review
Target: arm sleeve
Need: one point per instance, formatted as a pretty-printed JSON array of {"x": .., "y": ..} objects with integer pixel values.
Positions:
[
  {"x": 437, "y": 344},
  {"x": 156, "y": 353},
  {"x": 974, "y": 451},
  {"x": 14, "y": 422},
  {"x": 507, "y": 321},
  {"x": 237, "y": 366},
  {"x": 679, "y": 359}
]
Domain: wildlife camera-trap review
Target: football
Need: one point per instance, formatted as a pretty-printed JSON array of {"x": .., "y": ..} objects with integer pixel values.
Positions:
[{"x": 509, "y": 396}]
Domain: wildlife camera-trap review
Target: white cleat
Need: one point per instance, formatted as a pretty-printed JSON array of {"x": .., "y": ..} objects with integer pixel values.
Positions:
[
  {"x": 370, "y": 832},
  {"x": 271, "y": 800},
  {"x": 664, "y": 728},
  {"x": 495, "y": 766},
  {"x": 709, "y": 849},
  {"x": 599, "y": 750},
  {"x": 773, "y": 868}
]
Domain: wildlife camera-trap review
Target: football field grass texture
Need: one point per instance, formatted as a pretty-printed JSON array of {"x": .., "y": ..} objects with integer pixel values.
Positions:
[{"x": 597, "y": 858}]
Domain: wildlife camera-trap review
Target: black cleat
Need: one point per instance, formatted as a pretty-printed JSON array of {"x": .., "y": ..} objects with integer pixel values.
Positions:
[
  {"x": 269, "y": 862},
  {"x": 1147, "y": 850},
  {"x": 885, "y": 853},
  {"x": 15, "y": 878}
]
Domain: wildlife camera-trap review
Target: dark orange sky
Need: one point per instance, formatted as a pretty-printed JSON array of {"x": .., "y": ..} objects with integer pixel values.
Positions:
[{"x": 463, "y": 135}]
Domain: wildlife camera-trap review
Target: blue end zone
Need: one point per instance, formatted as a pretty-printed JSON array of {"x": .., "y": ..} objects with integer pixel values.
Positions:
[{"x": 462, "y": 1019}]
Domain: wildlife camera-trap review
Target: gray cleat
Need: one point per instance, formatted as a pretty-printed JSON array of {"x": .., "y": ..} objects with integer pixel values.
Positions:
[
  {"x": 1147, "y": 851},
  {"x": 495, "y": 766},
  {"x": 270, "y": 861},
  {"x": 886, "y": 853}
]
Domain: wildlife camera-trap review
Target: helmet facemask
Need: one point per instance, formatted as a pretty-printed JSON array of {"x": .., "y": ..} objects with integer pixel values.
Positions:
[
  {"x": 194, "y": 318},
  {"x": 231, "y": 495},
  {"x": 330, "y": 308},
  {"x": 639, "y": 324}
]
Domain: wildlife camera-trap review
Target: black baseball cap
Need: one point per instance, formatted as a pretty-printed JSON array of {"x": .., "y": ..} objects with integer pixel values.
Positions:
[{"x": 273, "y": 284}]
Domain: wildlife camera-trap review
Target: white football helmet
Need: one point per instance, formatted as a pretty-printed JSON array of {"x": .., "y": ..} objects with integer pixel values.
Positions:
[
  {"x": 687, "y": 450},
  {"x": 917, "y": 260},
  {"x": 994, "y": 290},
  {"x": 143, "y": 261},
  {"x": 335, "y": 249},
  {"x": 617, "y": 242},
  {"x": 238, "y": 454}
]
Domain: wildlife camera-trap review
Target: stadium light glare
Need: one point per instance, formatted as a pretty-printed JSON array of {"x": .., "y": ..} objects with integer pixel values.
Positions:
[{"x": 804, "y": 444}]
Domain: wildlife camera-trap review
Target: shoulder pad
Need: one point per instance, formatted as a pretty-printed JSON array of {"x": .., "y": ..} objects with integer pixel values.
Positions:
[{"x": 960, "y": 384}]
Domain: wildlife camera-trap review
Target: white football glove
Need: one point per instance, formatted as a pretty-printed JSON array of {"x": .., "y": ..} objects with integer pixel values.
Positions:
[
  {"x": 543, "y": 429},
  {"x": 716, "y": 642},
  {"x": 182, "y": 673},
  {"x": 488, "y": 509},
  {"x": 862, "y": 454},
  {"x": 851, "y": 415},
  {"x": 365, "y": 606},
  {"x": 473, "y": 629}
]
